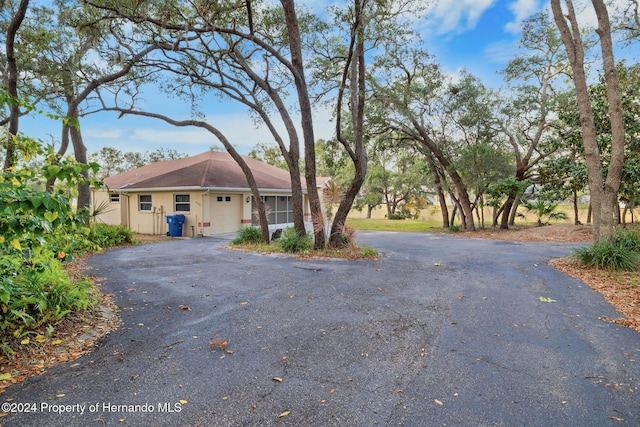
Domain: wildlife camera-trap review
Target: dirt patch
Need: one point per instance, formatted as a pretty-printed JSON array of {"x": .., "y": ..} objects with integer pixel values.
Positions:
[
  {"x": 547, "y": 233},
  {"x": 620, "y": 289}
]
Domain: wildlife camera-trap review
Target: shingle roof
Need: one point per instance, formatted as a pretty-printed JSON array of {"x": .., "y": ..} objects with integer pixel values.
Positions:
[{"x": 209, "y": 170}]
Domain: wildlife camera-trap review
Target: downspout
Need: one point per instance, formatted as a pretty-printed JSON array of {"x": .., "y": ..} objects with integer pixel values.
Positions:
[
  {"x": 153, "y": 221},
  {"x": 205, "y": 194},
  {"x": 128, "y": 213}
]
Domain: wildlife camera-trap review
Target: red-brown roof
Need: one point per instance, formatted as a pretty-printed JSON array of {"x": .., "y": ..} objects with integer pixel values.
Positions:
[{"x": 209, "y": 170}]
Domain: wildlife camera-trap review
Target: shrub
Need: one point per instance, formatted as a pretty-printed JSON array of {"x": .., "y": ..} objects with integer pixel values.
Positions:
[
  {"x": 455, "y": 228},
  {"x": 248, "y": 235},
  {"x": 402, "y": 214},
  {"x": 369, "y": 252},
  {"x": 290, "y": 242},
  {"x": 608, "y": 255},
  {"x": 627, "y": 239},
  {"x": 38, "y": 291},
  {"x": 105, "y": 235}
]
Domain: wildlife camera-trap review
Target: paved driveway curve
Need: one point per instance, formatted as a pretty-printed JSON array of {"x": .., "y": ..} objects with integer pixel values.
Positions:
[{"x": 443, "y": 331}]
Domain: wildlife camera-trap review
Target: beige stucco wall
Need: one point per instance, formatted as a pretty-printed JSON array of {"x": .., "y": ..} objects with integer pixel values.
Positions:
[
  {"x": 204, "y": 216},
  {"x": 112, "y": 212}
]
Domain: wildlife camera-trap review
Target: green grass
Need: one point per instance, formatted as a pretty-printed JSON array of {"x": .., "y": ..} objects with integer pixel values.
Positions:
[{"x": 393, "y": 225}]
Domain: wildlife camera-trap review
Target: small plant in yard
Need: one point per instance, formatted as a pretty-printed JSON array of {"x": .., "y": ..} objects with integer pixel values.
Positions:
[
  {"x": 608, "y": 255},
  {"x": 368, "y": 252},
  {"x": 248, "y": 235},
  {"x": 105, "y": 235},
  {"x": 455, "y": 228},
  {"x": 627, "y": 239},
  {"x": 543, "y": 209},
  {"x": 290, "y": 242}
]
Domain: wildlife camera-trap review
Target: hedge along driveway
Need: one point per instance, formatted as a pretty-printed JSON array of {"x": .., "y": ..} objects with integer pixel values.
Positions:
[{"x": 440, "y": 331}]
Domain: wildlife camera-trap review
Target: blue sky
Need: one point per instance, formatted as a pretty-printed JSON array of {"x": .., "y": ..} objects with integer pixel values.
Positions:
[{"x": 479, "y": 35}]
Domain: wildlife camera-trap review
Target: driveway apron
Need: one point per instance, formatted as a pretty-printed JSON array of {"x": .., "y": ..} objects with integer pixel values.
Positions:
[{"x": 440, "y": 331}]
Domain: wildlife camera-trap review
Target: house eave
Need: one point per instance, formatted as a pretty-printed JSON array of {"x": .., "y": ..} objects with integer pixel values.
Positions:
[{"x": 197, "y": 188}]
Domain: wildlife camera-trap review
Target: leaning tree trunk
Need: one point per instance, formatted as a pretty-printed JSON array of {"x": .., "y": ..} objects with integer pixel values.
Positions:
[
  {"x": 444, "y": 210},
  {"x": 356, "y": 73},
  {"x": 456, "y": 179}
]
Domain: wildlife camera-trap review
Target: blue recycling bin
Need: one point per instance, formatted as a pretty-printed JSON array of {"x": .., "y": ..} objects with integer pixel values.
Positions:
[{"x": 175, "y": 222}]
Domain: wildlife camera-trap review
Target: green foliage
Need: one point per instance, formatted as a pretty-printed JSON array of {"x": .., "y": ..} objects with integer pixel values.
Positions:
[
  {"x": 105, "y": 235},
  {"x": 248, "y": 235},
  {"x": 608, "y": 255},
  {"x": 543, "y": 209},
  {"x": 38, "y": 230},
  {"x": 38, "y": 291},
  {"x": 622, "y": 253},
  {"x": 369, "y": 252},
  {"x": 455, "y": 228},
  {"x": 401, "y": 214},
  {"x": 499, "y": 190},
  {"x": 627, "y": 239},
  {"x": 290, "y": 242}
]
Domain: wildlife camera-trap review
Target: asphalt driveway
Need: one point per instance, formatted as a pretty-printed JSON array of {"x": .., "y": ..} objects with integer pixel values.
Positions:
[{"x": 442, "y": 331}]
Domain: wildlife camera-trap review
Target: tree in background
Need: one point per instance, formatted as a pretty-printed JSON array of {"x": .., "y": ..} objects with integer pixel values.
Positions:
[
  {"x": 113, "y": 161},
  {"x": 527, "y": 115}
]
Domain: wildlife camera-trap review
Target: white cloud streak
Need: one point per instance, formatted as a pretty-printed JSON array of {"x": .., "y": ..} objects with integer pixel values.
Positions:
[{"x": 456, "y": 16}]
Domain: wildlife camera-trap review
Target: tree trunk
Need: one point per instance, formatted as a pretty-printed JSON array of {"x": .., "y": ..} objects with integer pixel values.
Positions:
[
  {"x": 572, "y": 40},
  {"x": 576, "y": 216},
  {"x": 80, "y": 151},
  {"x": 357, "y": 86},
  {"x": 506, "y": 211},
  {"x": 461, "y": 190},
  {"x": 369, "y": 210},
  {"x": 444, "y": 210},
  {"x": 514, "y": 210},
  {"x": 295, "y": 45},
  {"x": 11, "y": 82},
  {"x": 64, "y": 145},
  {"x": 453, "y": 214},
  {"x": 610, "y": 207}
]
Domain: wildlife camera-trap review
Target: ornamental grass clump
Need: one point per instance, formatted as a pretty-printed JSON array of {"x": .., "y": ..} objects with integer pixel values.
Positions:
[
  {"x": 248, "y": 235},
  {"x": 290, "y": 242},
  {"x": 620, "y": 254}
]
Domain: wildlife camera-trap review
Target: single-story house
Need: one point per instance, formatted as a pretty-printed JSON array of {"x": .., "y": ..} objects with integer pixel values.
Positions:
[{"x": 210, "y": 189}]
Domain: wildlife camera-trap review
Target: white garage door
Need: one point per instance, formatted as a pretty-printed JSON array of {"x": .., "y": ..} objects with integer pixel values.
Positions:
[{"x": 226, "y": 213}]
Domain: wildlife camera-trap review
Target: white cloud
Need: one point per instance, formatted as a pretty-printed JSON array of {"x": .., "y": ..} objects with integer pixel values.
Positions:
[
  {"x": 500, "y": 52},
  {"x": 521, "y": 9},
  {"x": 457, "y": 16}
]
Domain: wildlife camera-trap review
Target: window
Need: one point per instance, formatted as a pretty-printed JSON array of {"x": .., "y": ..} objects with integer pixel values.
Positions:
[
  {"x": 279, "y": 209},
  {"x": 227, "y": 199},
  {"x": 144, "y": 202},
  {"x": 219, "y": 198},
  {"x": 182, "y": 203},
  {"x": 114, "y": 197}
]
